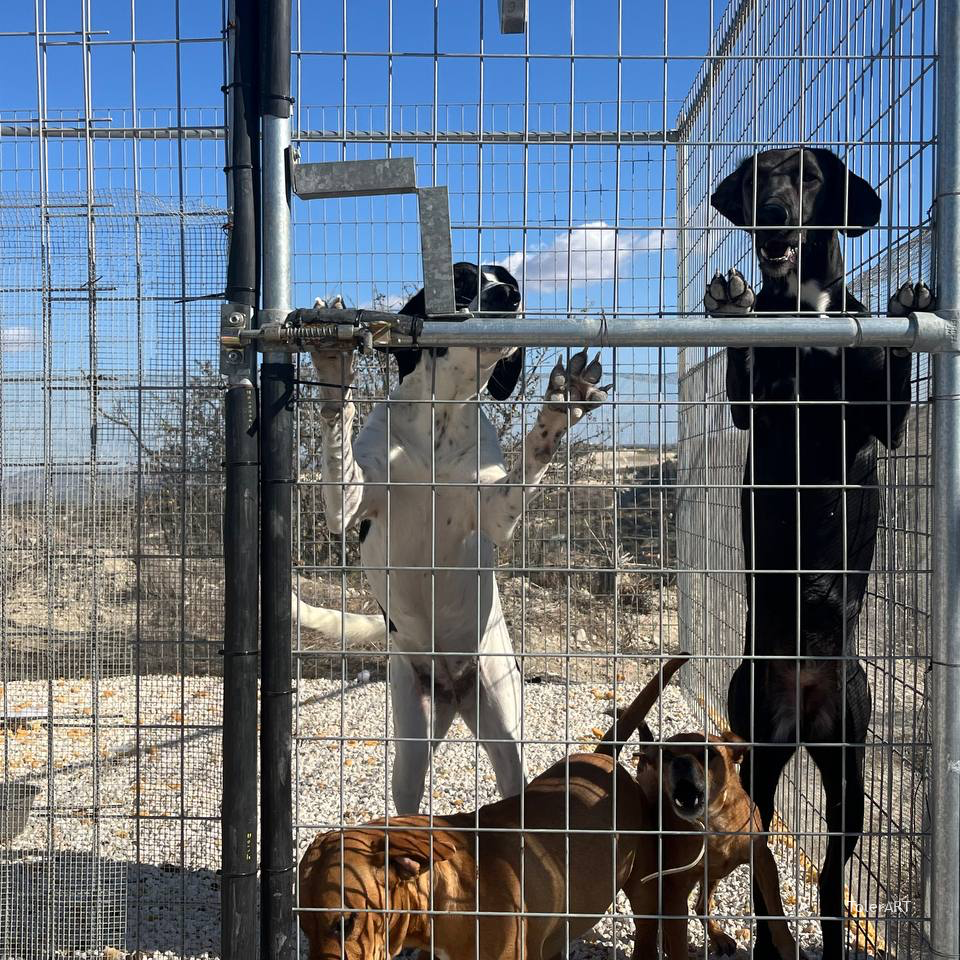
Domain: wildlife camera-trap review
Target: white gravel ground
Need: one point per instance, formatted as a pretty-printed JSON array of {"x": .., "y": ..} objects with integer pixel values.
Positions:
[{"x": 166, "y": 900}]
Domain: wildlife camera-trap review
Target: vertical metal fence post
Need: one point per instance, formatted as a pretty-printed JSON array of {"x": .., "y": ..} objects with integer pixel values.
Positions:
[
  {"x": 945, "y": 671},
  {"x": 238, "y": 918},
  {"x": 276, "y": 457}
]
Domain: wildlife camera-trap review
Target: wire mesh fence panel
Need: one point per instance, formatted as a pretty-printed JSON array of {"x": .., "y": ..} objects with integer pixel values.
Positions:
[
  {"x": 858, "y": 80},
  {"x": 564, "y": 184},
  {"x": 632, "y": 549},
  {"x": 112, "y": 215},
  {"x": 463, "y": 631}
]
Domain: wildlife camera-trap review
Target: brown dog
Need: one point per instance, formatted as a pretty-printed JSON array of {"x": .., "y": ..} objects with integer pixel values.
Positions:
[
  {"x": 710, "y": 827},
  {"x": 522, "y": 877},
  {"x": 518, "y": 878}
]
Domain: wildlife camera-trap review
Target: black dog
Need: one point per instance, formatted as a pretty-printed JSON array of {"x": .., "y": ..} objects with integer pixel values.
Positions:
[{"x": 810, "y": 500}]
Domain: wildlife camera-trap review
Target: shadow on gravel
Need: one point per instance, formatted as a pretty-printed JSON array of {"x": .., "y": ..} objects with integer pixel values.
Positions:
[{"x": 73, "y": 903}]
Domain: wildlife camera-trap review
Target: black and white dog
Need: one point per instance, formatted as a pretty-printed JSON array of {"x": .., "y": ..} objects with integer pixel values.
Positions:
[
  {"x": 426, "y": 484},
  {"x": 810, "y": 500}
]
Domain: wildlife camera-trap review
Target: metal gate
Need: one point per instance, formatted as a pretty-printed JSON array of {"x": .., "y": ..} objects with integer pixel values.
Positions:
[
  {"x": 860, "y": 81},
  {"x": 578, "y": 145}
]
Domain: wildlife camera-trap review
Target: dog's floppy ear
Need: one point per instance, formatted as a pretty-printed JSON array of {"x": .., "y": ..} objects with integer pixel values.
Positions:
[
  {"x": 734, "y": 745},
  {"x": 407, "y": 357},
  {"x": 466, "y": 282},
  {"x": 506, "y": 373},
  {"x": 411, "y": 851},
  {"x": 847, "y": 191},
  {"x": 647, "y": 754},
  {"x": 727, "y": 199},
  {"x": 505, "y": 376}
]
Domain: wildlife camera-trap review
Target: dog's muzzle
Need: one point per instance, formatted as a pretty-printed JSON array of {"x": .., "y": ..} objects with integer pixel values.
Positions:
[
  {"x": 773, "y": 215},
  {"x": 777, "y": 243},
  {"x": 496, "y": 297},
  {"x": 777, "y": 253},
  {"x": 688, "y": 800}
]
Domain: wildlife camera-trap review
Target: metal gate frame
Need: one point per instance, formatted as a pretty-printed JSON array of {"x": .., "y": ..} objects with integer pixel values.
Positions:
[{"x": 939, "y": 333}]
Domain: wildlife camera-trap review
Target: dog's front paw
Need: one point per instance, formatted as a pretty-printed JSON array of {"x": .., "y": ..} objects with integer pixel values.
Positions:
[
  {"x": 334, "y": 367},
  {"x": 574, "y": 387},
  {"x": 910, "y": 298},
  {"x": 723, "y": 943},
  {"x": 729, "y": 296}
]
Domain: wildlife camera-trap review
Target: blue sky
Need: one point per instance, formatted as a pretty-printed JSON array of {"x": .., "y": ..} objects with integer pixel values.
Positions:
[
  {"x": 568, "y": 198},
  {"x": 548, "y": 211}
]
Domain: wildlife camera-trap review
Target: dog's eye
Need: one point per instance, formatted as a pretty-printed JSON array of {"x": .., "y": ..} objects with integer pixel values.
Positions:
[{"x": 344, "y": 925}]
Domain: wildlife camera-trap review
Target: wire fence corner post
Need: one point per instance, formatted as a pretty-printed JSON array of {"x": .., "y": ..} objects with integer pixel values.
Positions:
[
  {"x": 238, "y": 917},
  {"x": 945, "y": 668},
  {"x": 278, "y": 938}
]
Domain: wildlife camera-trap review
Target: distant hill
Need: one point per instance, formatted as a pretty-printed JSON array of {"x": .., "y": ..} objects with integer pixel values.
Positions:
[{"x": 70, "y": 484}]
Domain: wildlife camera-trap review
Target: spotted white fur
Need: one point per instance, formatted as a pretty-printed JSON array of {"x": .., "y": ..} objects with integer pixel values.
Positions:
[{"x": 440, "y": 597}]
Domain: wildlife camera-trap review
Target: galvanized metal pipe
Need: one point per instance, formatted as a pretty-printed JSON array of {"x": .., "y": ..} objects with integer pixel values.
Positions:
[
  {"x": 923, "y": 332},
  {"x": 926, "y": 332},
  {"x": 238, "y": 917},
  {"x": 277, "y": 934},
  {"x": 945, "y": 667}
]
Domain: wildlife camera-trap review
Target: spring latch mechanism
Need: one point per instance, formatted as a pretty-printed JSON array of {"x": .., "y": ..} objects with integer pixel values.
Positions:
[{"x": 324, "y": 328}]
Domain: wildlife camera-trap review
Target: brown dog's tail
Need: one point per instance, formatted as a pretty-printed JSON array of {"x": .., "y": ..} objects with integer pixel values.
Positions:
[{"x": 635, "y": 714}]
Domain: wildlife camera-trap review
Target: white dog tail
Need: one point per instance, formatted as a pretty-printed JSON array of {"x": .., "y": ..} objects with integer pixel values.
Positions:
[{"x": 355, "y": 628}]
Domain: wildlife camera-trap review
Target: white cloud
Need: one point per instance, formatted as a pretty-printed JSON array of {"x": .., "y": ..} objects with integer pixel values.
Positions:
[
  {"x": 18, "y": 339},
  {"x": 590, "y": 251}
]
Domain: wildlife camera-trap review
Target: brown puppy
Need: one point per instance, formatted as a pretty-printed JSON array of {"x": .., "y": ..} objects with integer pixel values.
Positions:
[
  {"x": 710, "y": 827},
  {"x": 484, "y": 888}
]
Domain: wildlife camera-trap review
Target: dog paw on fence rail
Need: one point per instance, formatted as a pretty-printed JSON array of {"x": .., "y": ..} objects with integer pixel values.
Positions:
[
  {"x": 909, "y": 298},
  {"x": 729, "y": 296}
]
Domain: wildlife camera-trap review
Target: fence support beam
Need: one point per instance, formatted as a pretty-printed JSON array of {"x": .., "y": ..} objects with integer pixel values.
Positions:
[
  {"x": 944, "y": 695},
  {"x": 238, "y": 915},
  {"x": 323, "y": 328},
  {"x": 278, "y": 938}
]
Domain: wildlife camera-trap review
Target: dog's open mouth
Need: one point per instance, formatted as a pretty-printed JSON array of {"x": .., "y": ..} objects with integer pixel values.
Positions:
[{"x": 777, "y": 255}]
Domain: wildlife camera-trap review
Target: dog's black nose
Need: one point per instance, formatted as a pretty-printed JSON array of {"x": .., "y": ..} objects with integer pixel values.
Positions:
[
  {"x": 688, "y": 798},
  {"x": 773, "y": 215}
]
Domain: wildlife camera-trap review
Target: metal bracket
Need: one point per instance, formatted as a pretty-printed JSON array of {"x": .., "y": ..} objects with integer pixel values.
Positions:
[
  {"x": 236, "y": 320},
  {"x": 388, "y": 177},
  {"x": 354, "y": 178}
]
